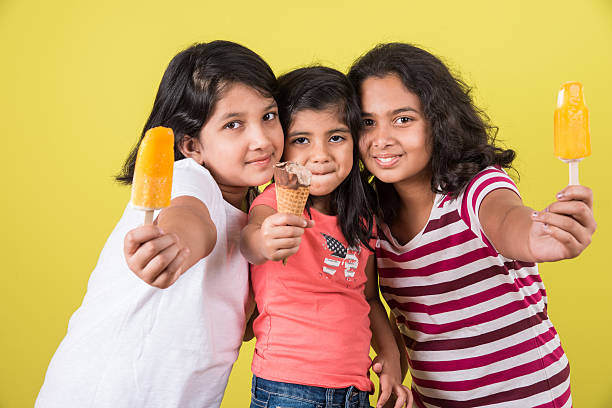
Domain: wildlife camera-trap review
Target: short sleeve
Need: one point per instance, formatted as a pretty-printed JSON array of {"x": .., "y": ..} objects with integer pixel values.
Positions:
[
  {"x": 488, "y": 180},
  {"x": 191, "y": 179},
  {"x": 267, "y": 197}
]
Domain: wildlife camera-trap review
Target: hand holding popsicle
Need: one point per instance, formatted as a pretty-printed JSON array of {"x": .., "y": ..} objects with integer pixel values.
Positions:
[
  {"x": 565, "y": 228},
  {"x": 572, "y": 137}
]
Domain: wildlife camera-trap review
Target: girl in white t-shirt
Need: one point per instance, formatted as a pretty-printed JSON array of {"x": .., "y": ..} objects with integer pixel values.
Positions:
[{"x": 131, "y": 344}]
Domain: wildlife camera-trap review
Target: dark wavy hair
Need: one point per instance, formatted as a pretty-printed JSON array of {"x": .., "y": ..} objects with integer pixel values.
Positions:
[
  {"x": 191, "y": 86},
  {"x": 320, "y": 88},
  {"x": 463, "y": 140}
]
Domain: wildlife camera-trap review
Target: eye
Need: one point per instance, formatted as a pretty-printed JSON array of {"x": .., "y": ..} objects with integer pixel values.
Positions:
[
  {"x": 232, "y": 125},
  {"x": 336, "y": 139},
  {"x": 402, "y": 120},
  {"x": 270, "y": 116},
  {"x": 300, "y": 140},
  {"x": 368, "y": 122}
]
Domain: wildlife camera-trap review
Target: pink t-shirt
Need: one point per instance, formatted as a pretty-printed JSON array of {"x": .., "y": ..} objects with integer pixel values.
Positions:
[{"x": 313, "y": 327}]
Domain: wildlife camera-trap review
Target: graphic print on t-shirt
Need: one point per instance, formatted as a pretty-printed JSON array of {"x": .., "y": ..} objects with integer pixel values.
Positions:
[{"x": 341, "y": 256}]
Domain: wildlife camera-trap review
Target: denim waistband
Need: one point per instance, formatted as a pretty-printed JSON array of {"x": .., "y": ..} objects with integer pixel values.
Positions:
[{"x": 337, "y": 397}]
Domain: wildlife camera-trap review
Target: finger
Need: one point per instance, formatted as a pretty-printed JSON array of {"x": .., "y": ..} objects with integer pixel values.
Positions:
[
  {"x": 577, "y": 210},
  {"x": 134, "y": 238},
  {"x": 158, "y": 264},
  {"x": 385, "y": 393},
  {"x": 286, "y": 243},
  {"x": 409, "y": 395},
  {"x": 579, "y": 193},
  {"x": 287, "y": 219},
  {"x": 283, "y": 253},
  {"x": 401, "y": 397},
  {"x": 567, "y": 224},
  {"x": 177, "y": 266},
  {"x": 284, "y": 231},
  {"x": 150, "y": 249},
  {"x": 566, "y": 239}
]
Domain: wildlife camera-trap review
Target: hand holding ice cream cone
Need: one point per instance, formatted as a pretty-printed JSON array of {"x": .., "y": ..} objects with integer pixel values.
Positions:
[{"x": 292, "y": 183}]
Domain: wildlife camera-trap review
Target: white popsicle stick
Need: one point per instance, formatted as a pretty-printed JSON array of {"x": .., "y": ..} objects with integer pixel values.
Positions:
[
  {"x": 148, "y": 217},
  {"x": 573, "y": 172}
]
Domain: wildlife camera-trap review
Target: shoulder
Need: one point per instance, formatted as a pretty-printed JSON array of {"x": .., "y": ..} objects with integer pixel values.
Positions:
[
  {"x": 267, "y": 197},
  {"x": 193, "y": 179}
]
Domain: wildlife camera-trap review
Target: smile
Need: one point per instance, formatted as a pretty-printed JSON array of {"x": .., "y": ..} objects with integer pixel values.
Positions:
[
  {"x": 260, "y": 161},
  {"x": 386, "y": 161}
]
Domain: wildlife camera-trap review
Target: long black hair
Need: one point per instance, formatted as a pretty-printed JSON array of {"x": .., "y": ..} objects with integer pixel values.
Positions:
[
  {"x": 463, "y": 140},
  {"x": 321, "y": 88},
  {"x": 191, "y": 86}
]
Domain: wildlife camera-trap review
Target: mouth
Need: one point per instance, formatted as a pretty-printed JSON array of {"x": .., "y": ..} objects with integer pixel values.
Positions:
[
  {"x": 386, "y": 160},
  {"x": 261, "y": 160},
  {"x": 320, "y": 171}
]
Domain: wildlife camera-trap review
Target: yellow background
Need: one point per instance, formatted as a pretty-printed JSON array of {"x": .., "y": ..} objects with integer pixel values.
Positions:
[{"x": 78, "y": 80}]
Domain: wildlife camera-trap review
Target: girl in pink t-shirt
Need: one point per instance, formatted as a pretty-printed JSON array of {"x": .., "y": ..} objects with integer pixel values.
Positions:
[{"x": 316, "y": 312}]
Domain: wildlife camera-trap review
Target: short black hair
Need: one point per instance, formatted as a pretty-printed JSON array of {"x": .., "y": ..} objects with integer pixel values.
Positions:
[
  {"x": 463, "y": 140},
  {"x": 320, "y": 88}
]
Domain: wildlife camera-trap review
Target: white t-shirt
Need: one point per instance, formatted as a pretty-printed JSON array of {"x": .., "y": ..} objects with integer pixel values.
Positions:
[{"x": 133, "y": 345}]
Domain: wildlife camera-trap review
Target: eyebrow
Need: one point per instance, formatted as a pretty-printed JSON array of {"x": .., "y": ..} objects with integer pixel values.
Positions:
[
  {"x": 236, "y": 114},
  {"x": 329, "y": 132},
  {"x": 338, "y": 130},
  {"x": 395, "y": 112}
]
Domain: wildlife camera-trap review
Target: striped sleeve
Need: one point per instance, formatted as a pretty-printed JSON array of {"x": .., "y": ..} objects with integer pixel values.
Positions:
[{"x": 488, "y": 180}]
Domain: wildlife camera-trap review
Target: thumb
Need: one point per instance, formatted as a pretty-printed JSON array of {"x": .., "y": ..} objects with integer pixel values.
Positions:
[{"x": 377, "y": 365}]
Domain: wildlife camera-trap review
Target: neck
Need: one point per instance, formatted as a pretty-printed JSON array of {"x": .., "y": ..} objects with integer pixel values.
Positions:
[
  {"x": 415, "y": 193},
  {"x": 234, "y": 195},
  {"x": 322, "y": 204}
]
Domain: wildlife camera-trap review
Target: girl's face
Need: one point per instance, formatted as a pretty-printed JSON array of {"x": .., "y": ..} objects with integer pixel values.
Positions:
[
  {"x": 395, "y": 145},
  {"x": 320, "y": 141},
  {"x": 242, "y": 139}
]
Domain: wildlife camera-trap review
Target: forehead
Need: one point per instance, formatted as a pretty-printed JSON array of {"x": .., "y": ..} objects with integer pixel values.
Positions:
[
  {"x": 240, "y": 98},
  {"x": 325, "y": 119},
  {"x": 383, "y": 94}
]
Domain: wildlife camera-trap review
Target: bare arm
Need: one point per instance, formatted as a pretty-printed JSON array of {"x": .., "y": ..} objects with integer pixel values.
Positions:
[
  {"x": 184, "y": 233},
  {"x": 563, "y": 230}
]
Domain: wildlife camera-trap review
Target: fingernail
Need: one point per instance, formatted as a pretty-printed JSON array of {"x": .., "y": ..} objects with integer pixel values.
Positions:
[
  {"x": 534, "y": 214},
  {"x": 560, "y": 196},
  {"x": 546, "y": 228}
]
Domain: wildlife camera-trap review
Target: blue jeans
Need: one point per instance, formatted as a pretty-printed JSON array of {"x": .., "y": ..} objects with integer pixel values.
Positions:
[{"x": 272, "y": 394}]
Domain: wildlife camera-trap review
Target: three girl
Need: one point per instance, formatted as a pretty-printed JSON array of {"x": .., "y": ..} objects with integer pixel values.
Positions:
[
  {"x": 315, "y": 313},
  {"x": 131, "y": 344},
  {"x": 473, "y": 317},
  {"x": 458, "y": 249}
]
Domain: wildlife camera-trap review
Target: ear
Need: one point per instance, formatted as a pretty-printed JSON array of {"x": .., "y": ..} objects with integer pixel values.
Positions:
[{"x": 191, "y": 147}]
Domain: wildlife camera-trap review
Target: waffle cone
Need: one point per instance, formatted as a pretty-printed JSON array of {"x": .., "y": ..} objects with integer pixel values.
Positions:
[{"x": 291, "y": 200}]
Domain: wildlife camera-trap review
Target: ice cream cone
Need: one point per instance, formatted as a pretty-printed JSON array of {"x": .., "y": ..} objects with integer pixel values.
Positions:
[{"x": 292, "y": 183}]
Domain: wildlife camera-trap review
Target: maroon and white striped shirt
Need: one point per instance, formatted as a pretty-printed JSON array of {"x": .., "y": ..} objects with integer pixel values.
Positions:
[{"x": 474, "y": 322}]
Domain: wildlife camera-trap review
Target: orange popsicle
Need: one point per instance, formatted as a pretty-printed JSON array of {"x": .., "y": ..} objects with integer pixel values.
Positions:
[
  {"x": 572, "y": 137},
  {"x": 152, "y": 183}
]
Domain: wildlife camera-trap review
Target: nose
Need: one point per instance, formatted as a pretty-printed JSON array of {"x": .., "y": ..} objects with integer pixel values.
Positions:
[
  {"x": 259, "y": 138},
  {"x": 379, "y": 136},
  {"x": 320, "y": 153}
]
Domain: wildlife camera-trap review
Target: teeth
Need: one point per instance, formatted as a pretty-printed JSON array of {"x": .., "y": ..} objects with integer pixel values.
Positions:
[{"x": 385, "y": 159}]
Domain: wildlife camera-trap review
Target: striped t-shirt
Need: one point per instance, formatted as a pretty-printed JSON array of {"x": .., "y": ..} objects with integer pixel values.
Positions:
[{"x": 475, "y": 323}]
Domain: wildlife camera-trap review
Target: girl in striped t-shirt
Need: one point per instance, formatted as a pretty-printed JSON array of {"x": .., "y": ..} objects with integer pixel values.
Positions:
[{"x": 472, "y": 316}]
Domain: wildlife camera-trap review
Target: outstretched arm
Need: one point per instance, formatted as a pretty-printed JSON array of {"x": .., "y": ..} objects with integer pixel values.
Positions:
[
  {"x": 183, "y": 234},
  {"x": 562, "y": 230}
]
